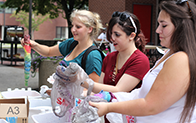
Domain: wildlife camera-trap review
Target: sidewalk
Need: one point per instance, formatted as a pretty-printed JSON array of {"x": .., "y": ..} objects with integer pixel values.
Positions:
[{"x": 13, "y": 76}]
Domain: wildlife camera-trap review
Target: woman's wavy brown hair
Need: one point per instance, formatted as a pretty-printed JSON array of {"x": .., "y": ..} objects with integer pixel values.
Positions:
[{"x": 184, "y": 39}]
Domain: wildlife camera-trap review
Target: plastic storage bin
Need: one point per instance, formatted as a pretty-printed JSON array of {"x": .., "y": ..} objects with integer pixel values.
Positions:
[
  {"x": 20, "y": 94},
  {"x": 49, "y": 117},
  {"x": 3, "y": 121}
]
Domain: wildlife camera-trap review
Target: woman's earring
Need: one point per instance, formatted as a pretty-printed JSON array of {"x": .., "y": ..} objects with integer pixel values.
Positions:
[{"x": 132, "y": 36}]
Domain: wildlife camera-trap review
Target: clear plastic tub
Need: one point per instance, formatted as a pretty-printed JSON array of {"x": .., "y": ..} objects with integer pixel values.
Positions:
[
  {"x": 20, "y": 94},
  {"x": 49, "y": 117},
  {"x": 3, "y": 121}
]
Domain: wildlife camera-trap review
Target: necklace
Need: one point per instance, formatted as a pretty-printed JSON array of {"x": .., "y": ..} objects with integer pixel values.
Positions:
[{"x": 116, "y": 70}]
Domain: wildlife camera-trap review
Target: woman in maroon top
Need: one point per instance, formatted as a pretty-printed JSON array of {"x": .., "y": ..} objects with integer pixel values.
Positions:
[{"x": 124, "y": 69}]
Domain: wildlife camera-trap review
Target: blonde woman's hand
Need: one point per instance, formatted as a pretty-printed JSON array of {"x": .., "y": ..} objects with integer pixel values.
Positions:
[
  {"x": 32, "y": 43},
  {"x": 101, "y": 106}
]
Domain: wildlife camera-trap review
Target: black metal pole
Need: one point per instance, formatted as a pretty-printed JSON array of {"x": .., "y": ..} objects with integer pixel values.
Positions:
[{"x": 30, "y": 15}]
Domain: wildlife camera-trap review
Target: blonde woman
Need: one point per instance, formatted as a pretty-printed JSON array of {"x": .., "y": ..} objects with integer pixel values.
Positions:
[{"x": 86, "y": 26}]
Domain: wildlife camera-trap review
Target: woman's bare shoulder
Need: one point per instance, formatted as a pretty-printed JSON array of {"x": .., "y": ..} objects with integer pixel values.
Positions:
[{"x": 178, "y": 59}]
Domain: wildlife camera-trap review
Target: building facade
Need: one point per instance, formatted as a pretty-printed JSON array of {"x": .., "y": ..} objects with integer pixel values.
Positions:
[
  {"x": 145, "y": 10},
  {"x": 50, "y": 29}
]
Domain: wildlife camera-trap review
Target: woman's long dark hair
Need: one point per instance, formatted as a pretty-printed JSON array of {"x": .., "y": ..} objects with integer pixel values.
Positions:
[
  {"x": 128, "y": 28},
  {"x": 184, "y": 39}
]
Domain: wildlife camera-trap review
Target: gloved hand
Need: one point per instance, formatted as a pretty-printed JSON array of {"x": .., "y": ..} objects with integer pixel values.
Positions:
[
  {"x": 72, "y": 73},
  {"x": 90, "y": 85},
  {"x": 43, "y": 90}
]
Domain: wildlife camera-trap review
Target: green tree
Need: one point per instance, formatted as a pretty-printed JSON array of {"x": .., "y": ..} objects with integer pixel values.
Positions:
[
  {"x": 51, "y": 7},
  {"x": 22, "y": 17}
]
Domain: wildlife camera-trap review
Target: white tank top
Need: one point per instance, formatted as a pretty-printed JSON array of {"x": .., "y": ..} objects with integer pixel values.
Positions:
[{"x": 173, "y": 113}]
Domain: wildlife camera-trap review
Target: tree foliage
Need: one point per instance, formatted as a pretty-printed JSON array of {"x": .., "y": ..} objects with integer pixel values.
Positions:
[
  {"x": 51, "y": 7},
  {"x": 22, "y": 17}
]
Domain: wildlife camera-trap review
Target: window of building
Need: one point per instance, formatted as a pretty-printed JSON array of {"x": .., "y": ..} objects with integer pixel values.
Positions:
[{"x": 62, "y": 32}]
